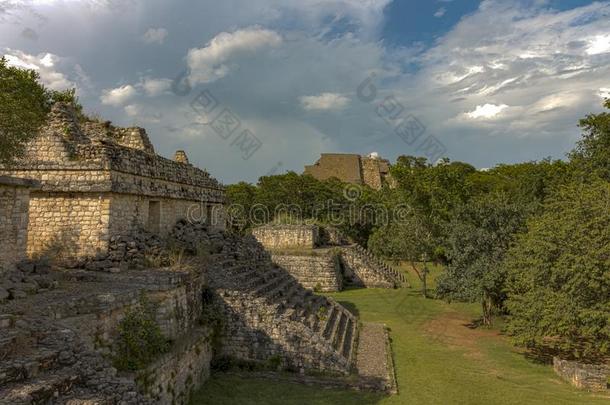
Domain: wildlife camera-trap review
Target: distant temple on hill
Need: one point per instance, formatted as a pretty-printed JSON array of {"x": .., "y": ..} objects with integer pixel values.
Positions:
[{"x": 370, "y": 170}]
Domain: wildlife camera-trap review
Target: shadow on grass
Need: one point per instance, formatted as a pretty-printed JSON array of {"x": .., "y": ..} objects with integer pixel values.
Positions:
[{"x": 226, "y": 389}]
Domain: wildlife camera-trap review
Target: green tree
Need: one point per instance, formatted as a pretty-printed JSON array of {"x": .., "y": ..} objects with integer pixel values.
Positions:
[
  {"x": 558, "y": 282},
  {"x": 592, "y": 152},
  {"x": 478, "y": 237},
  {"x": 410, "y": 240},
  {"x": 24, "y": 104}
]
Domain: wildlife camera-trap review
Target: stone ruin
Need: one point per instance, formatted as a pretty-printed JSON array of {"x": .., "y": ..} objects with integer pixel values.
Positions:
[
  {"x": 368, "y": 170},
  {"x": 99, "y": 181},
  {"x": 323, "y": 259},
  {"x": 111, "y": 222}
]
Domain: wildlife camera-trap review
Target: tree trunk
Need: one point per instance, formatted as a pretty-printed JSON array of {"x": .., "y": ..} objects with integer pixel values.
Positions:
[
  {"x": 487, "y": 311},
  {"x": 422, "y": 277},
  {"x": 424, "y": 285}
]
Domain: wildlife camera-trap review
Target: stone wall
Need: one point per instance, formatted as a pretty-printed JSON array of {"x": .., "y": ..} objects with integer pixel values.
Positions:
[
  {"x": 319, "y": 272},
  {"x": 129, "y": 212},
  {"x": 330, "y": 236},
  {"x": 371, "y": 174},
  {"x": 173, "y": 378},
  {"x": 14, "y": 207},
  {"x": 73, "y": 225},
  {"x": 593, "y": 377},
  {"x": 287, "y": 236}
]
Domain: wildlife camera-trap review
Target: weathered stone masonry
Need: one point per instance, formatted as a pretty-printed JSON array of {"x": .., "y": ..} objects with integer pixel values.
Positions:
[
  {"x": 100, "y": 181},
  {"x": 14, "y": 203},
  {"x": 288, "y": 236},
  {"x": 297, "y": 249},
  {"x": 316, "y": 270}
]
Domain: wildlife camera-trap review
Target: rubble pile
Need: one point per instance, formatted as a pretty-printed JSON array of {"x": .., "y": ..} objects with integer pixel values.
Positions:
[{"x": 29, "y": 277}]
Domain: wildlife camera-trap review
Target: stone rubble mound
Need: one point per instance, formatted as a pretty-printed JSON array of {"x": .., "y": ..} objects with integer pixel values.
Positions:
[{"x": 29, "y": 277}]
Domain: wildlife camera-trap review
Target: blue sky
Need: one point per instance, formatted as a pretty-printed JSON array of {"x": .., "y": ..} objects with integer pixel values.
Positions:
[{"x": 484, "y": 82}]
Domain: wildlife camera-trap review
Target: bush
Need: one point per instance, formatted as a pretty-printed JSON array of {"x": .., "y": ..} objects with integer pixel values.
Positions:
[{"x": 140, "y": 339}]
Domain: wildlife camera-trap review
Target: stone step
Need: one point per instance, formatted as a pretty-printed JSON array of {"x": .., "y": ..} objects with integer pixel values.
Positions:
[
  {"x": 28, "y": 366},
  {"x": 331, "y": 325},
  {"x": 283, "y": 291},
  {"x": 349, "y": 340},
  {"x": 41, "y": 389},
  {"x": 273, "y": 288},
  {"x": 339, "y": 332},
  {"x": 313, "y": 312}
]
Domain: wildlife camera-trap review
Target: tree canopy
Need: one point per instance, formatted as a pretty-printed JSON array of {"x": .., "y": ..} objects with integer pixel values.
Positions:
[
  {"x": 558, "y": 281},
  {"x": 24, "y": 104},
  {"x": 478, "y": 238}
]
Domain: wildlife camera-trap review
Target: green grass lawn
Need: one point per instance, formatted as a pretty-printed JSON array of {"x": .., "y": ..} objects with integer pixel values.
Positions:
[{"x": 439, "y": 359}]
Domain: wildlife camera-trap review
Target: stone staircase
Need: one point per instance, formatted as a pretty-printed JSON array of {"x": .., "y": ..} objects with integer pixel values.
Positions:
[
  {"x": 271, "y": 316},
  {"x": 369, "y": 270},
  {"x": 47, "y": 342}
]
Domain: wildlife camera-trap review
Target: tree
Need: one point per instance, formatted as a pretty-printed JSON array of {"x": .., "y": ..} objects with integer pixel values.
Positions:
[
  {"x": 558, "y": 281},
  {"x": 592, "y": 152},
  {"x": 410, "y": 240},
  {"x": 24, "y": 104},
  {"x": 478, "y": 237}
]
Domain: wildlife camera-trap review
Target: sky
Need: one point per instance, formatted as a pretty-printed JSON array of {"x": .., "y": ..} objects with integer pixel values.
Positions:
[{"x": 257, "y": 87}]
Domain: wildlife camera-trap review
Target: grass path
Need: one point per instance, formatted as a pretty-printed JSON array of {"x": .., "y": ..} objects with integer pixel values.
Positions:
[{"x": 439, "y": 359}]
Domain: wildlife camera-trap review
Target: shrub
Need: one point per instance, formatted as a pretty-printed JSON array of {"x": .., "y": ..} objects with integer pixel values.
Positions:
[{"x": 140, "y": 340}]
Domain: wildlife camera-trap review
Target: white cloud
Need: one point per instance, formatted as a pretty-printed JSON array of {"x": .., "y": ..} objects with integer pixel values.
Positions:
[
  {"x": 156, "y": 87},
  {"x": 324, "y": 101},
  {"x": 209, "y": 63},
  {"x": 118, "y": 96},
  {"x": 440, "y": 12},
  {"x": 155, "y": 35},
  {"x": 133, "y": 110},
  {"x": 487, "y": 111},
  {"x": 599, "y": 44},
  {"x": 604, "y": 92},
  {"x": 46, "y": 64}
]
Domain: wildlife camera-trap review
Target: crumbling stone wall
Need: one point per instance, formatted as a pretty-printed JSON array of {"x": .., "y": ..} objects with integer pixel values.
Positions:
[
  {"x": 287, "y": 236},
  {"x": 14, "y": 208},
  {"x": 593, "y": 377},
  {"x": 371, "y": 175},
  {"x": 319, "y": 272}
]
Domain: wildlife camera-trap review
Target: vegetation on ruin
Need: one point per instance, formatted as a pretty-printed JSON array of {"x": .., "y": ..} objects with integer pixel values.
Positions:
[
  {"x": 24, "y": 105},
  {"x": 139, "y": 341}
]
